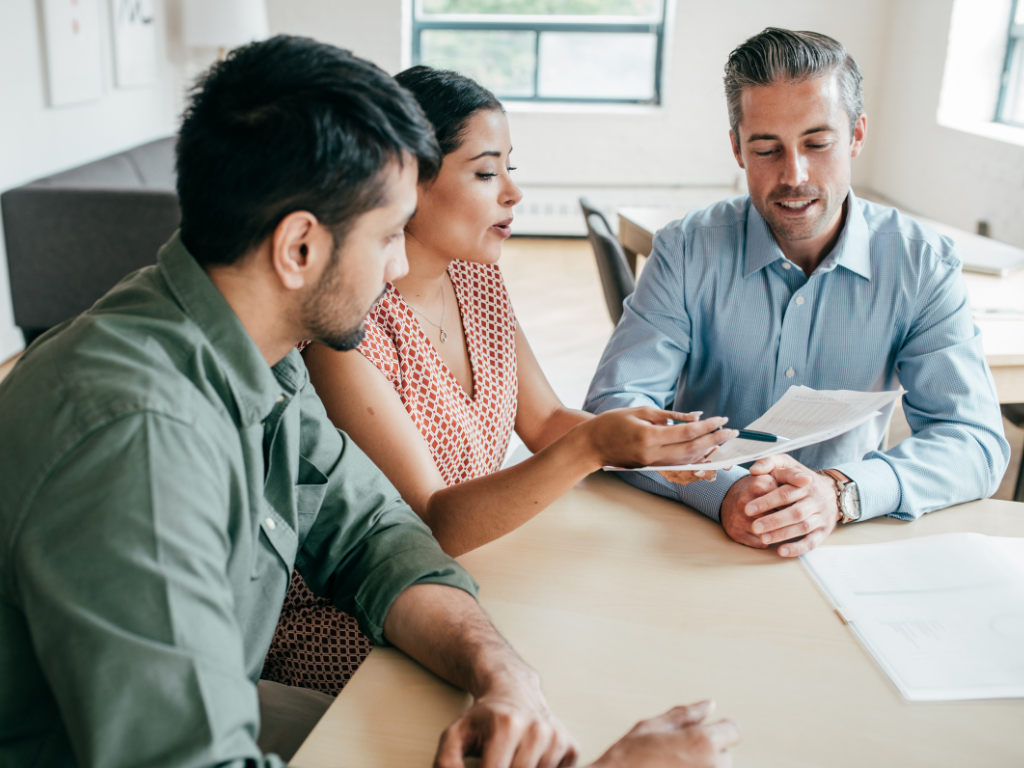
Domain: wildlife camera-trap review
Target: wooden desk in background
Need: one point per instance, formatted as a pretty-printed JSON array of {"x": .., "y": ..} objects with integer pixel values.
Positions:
[
  {"x": 1002, "y": 339},
  {"x": 627, "y": 603}
]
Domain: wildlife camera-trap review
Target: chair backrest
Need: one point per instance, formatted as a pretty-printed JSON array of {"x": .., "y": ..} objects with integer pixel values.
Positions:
[
  {"x": 589, "y": 209},
  {"x": 72, "y": 236},
  {"x": 1014, "y": 413},
  {"x": 616, "y": 276}
]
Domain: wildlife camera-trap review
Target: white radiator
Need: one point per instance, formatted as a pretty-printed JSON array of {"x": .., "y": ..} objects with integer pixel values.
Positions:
[{"x": 555, "y": 210}]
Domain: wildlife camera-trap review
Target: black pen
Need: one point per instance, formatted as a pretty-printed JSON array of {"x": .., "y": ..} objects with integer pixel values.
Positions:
[
  {"x": 745, "y": 434},
  {"x": 764, "y": 437}
]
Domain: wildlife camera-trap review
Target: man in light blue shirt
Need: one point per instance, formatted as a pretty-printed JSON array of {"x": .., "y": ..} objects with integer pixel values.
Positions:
[{"x": 800, "y": 282}]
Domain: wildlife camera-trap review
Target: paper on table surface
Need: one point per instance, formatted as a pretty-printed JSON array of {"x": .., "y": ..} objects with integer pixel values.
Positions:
[
  {"x": 943, "y": 616},
  {"x": 1011, "y": 548},
  {"x": 806, "y": 416}
]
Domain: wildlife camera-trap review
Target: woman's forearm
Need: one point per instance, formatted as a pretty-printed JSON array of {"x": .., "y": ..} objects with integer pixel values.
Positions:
[
  {"x": 465, "y": 516},
  {"x": 556, "y": 424}
]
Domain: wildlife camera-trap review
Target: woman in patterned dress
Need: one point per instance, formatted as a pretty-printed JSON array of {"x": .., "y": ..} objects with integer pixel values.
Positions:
[{"x": 444, "y": 374}]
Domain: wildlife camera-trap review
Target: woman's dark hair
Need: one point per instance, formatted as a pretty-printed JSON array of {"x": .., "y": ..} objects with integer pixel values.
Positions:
[
  {"x": 448, "y": 99},
  {"x": 284, "y": 125}
]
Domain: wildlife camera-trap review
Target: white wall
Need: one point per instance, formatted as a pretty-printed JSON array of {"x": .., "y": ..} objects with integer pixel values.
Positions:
[
  {"x": 36, "y": 140},
  {"x": 371, "y": 29},
  {"x": 686, "y": 142},
  {"x": 949, "y": 174},
  {"x": 624, "y": 156},
  {"x": 944, "y": 173}
]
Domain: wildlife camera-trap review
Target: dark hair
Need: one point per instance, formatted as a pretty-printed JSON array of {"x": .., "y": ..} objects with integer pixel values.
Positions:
[
  {"x": 779, "y": 55},
  {"x": 448, "y": 99},
  {"x": 284, "y": 125}
]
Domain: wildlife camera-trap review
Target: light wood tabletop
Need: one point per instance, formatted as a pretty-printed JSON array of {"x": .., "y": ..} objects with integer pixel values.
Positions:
[
  {"x": 627, "y": 604},
  {"x": 1002, "y": 337}
]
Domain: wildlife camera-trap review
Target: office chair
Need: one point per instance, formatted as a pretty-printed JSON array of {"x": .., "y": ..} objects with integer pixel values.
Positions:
[
  {"x": 1014, "y": 413},
  {"x": 616, "y": 276},
  {"x": 589, "y": 209}
]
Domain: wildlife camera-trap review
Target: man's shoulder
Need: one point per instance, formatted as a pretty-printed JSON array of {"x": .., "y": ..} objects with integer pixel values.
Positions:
[
  {"x": 703, "y": 235},
  {"x": 135, "y": 351},
  {"x": 729, "y": 213},
  {"x": 915, "y": 239},
  {"x": 85, "y": 384}
]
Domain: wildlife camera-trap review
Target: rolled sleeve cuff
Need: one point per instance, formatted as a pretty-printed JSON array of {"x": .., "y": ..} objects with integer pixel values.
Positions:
[
  {"x": 878, "y": 487},
  {"x": 420, "y": 565},
  {"x": 703, "y": 496}
]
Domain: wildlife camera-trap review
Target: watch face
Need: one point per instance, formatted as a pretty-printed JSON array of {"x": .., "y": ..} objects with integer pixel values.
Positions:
[{"x": 849, "y": 499}]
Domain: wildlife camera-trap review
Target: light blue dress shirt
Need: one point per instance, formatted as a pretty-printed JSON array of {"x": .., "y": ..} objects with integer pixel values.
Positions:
[{"x": 722, "y": 322}]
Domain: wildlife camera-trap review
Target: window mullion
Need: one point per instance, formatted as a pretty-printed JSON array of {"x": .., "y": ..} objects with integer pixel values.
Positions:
[
  {"x": 1013, "y": 41},
  {"x": 538, "y": 26},
  {"x": 536, "y": 64}
]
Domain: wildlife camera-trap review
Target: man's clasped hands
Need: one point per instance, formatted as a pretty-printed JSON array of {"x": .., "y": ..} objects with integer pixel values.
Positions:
[{"x": 781, "y": 502}]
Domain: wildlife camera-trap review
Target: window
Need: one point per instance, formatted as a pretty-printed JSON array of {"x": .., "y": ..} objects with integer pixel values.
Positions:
[
  {"x": 1011, "y": 92},
  {"x": 547, "y": 50}
]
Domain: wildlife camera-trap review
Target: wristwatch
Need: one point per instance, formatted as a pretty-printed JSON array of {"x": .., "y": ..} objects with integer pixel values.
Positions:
[{"x": 847, "y": 496}]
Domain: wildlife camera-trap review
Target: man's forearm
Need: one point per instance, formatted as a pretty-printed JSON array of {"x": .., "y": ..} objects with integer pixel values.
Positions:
[
  {"x": 703, "y": 496},
  {"x": 447, "y": 631}
]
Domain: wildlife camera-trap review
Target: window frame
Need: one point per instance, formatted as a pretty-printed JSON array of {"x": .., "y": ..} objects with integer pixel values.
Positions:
[
  {"x": 552, "y": 23},
  {"x": 1015, "y": 37}
]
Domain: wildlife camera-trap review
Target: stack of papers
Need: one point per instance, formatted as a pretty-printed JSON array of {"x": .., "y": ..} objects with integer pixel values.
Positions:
[
  {"x": 943, "y": 616},
  {"x": 806, "y": 416}
]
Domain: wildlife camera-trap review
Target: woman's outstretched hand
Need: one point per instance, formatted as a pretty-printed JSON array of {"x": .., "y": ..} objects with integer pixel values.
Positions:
[
  {"x": 644, "y": 436},
  {"x": 686, "y": 476}
]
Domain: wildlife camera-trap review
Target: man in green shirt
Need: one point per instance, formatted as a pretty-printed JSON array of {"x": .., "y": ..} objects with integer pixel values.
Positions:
[{"x": 164, "y": 462}]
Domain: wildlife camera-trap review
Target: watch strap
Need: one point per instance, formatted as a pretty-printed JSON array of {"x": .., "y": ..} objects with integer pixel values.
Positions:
[{"x": 841, "y": 482}]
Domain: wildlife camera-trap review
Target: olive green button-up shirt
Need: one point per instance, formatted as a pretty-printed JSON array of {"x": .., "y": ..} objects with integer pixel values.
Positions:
[{"x": 158, "y": 482}]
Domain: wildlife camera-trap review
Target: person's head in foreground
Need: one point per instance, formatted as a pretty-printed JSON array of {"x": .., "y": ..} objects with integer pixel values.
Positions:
[
  {"x": 297, "y": 168},
  {"x": 166, "y": 462},
  {"x": 802, "y": 283}
]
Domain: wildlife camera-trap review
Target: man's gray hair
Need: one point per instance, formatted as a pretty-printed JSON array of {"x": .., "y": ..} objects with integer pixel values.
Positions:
[{"x": 781, "y": 55}]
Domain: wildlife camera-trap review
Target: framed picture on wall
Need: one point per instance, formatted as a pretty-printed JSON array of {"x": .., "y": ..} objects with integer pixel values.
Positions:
[
  {"x": 135, "y": 42},
  {"x": 74, "y": 66}
]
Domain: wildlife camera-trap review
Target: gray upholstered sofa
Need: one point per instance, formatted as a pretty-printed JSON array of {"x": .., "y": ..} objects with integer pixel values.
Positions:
[{"x": 72, "y": 236}]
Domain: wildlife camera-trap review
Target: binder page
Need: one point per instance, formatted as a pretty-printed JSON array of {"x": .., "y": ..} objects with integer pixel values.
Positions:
[
  {"x": 1011, "y": 548},
  {"x": 943, "y": 616},
  {"x": 806, "y": 416}
]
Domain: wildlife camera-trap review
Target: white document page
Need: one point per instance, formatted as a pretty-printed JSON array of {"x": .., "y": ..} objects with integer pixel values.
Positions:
[
  {"x": 1012, "y": 549},
  {"x": 943, "y": 616},
  {"x": 806, "y": 416}
]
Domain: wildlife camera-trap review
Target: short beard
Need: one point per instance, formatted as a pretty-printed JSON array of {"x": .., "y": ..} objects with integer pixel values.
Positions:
[
  {"x": 320, "y": 311},
  {"x": 341, "y": 341},
  {"x": 790, "y": 230}
]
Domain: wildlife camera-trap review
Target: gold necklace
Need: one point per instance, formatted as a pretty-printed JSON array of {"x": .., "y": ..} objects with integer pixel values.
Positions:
[{"x": 444, "y": 305}]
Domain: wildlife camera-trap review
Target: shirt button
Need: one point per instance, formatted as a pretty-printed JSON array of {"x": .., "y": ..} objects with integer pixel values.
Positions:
[
  {"x": 790, "y": 373},
  {"x": 270, "y": 523},
  {"x": 799, "y": 300},
  {"x": 786, "y": 265},
  {"x": 280, "y": 398}
]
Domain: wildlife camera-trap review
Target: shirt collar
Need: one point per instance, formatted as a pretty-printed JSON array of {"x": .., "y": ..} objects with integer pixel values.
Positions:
[
  {"x": 851, "y": 251},
  {"x": 257, "y": 387}
]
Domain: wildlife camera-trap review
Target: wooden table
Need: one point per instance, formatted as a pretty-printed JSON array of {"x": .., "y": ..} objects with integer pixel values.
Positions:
[
  {"x": 627, "y": 603},
  {"x": 1002, "y": 339}
]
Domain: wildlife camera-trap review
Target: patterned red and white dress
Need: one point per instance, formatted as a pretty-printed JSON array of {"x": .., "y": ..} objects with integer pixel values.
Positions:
[{"x": 316, "y": 645}]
